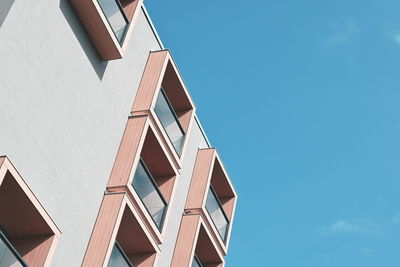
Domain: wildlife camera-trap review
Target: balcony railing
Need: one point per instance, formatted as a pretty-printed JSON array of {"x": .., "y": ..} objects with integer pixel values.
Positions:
[
  {"x": 169, "y": 121},
  {"x": 217, "y": 213},
  {"x": 8, "y": 255},
  {"x": 118, "y": 258},
  {"x": 116, "y": 17},
  {"x": 147, "y": 189},
  {"x": 196, "y": 262}
]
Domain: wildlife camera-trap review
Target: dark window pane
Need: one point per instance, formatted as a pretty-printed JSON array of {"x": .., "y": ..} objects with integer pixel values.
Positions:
[
  {"x": 196, "y": 262},
  {"x": 8, "y": 255},
  {"x": 217, "y": 214},
  {"x": 148, "y": 193},
  {"x": 118, "y": 259},
  {"x": 169, "y": 121},
  {"x": 115, "y": 17}
]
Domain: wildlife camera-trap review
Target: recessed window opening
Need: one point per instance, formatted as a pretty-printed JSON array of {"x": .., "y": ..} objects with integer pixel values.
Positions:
[
  {"x": 148, "y": 191},
  {"x": 9, "y": 256},
  {"x": 217, "y": 213},
  {"x": 170, "y": 121},
  {"x": 34, "y": 240},
  {"x": 119, "y": 258},
  {"x": 196, "y": 262},
  {"x": 205, "y": 252},
  {"x": 116, "y": 17}
]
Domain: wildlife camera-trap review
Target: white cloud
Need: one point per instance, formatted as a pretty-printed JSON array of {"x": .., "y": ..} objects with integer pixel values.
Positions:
[
  {"x": 341, "y": 32},
  {"x": 337, "y": 38},
  {"x": 355, "y": 226},
  {"x": 394, "y": 35}
]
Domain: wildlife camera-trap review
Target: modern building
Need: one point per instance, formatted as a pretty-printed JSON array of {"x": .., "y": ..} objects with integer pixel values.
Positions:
[{"x": 105, "y": 162}]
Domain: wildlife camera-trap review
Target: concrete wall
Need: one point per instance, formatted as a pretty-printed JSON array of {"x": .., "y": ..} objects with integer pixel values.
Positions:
[
  {"x": 5, "y": 6},
  {"x": 62, "y": 115},
  {"x": 195, "y": 141}
]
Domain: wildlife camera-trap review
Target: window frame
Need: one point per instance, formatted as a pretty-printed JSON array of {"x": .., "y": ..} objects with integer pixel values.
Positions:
[
  {"x": 138, "y": 130},
  {"x": 123, "y": 254},
  {"x": 194, "y": 234},
  {"x": 151, "y": 178},
  {"x": 117, "y": 215},
  {"x": 161, "y": 72},
  {"x": 121, "y": 9},
  {"x": 224, "y": 238},
  {"x": 8, "y": 244},
  {"x": 35, "y": 212},
  {"x": 99, "y": 29},
  {"x": 210, "y": 171},
  {"x": 162, "y": 91},
  {"x": 196, "y": 259}
]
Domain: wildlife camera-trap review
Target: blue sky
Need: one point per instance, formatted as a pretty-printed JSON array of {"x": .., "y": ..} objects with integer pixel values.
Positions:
[{"x": 302, "y": 100}]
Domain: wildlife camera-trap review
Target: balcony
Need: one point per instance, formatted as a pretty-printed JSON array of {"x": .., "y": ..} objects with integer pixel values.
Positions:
[
  {"x": 163, "y": 96},
  {"x": 8, "y": 255},
  {"x": 217, "y": 213},
  {"x": 195, "y": 245},
  {"x": 109, "y": 24},
  {"x": 119, "y": 237},
  {"x": 145, "y": 171},
  {"x": 212, "y": 194},
  {"x": 35, "y": 241},
  {"x": 147, "y": 189}
]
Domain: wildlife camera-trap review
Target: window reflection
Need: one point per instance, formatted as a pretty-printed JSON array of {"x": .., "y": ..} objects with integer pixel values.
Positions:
[
  {"x": 169, "y": 121},
  {"x": 196, "y": 262},
  {"x": 118, "y": 258},
  {"x": 148, "y": 192},
  {"x": 217, "y": 214},
  {"x": 8, "y": 255},
  {"x": 115, "y": 16}
]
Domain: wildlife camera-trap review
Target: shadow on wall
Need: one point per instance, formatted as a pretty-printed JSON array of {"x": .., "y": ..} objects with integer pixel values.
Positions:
[
  {"x": 5, "y": 6},
  {"x": 83, "y": 38}
]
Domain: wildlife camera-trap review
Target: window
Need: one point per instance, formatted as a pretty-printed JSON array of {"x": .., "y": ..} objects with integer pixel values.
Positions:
[
  {"x": 163, "y": 96},
  {"x": 196, "y": 262},
  {"x": 217, "y": 213},
  {"x": 212, "y": 193},
  {"x": 108, "y": 24},
  {"x": 118, "y": 257},
  {"x": 147, "y": 189},
  {"x": 195, "y": 245},
  {"x": 145, "y": 170},
  {"x": 27, "y": 231},
  {"x": 169, "y": 120},
  {"x": 116, "y": 17},
  {"x": 119, "y": 237},
  {"x": 8, "y": 255}
]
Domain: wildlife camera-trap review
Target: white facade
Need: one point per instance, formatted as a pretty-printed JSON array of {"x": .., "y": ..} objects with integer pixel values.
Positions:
[{"x": 63, "y": 113}]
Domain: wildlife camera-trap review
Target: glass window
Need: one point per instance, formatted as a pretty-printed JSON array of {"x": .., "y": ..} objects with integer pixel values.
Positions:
[
  {"x": 8, "y": 255},
  {"x": 118, "y": 258},
  {"x": 217, "y": 213},
  {"x": 169, "y": 121},
  {"x": 149, "y": 193},
  {"x": 196, "y": 262},
  {"x": 116, "y": 17}
]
